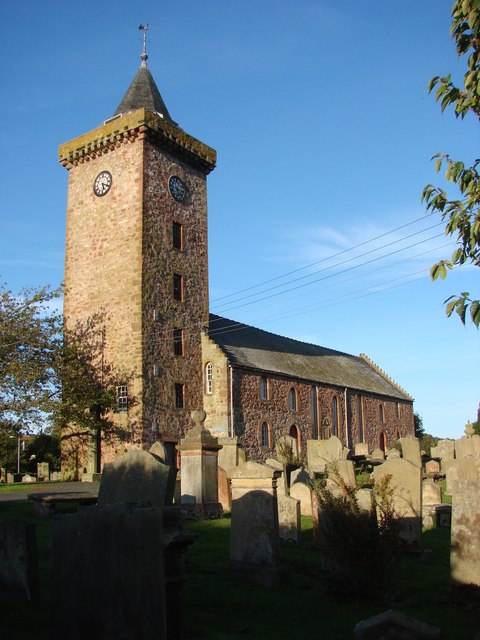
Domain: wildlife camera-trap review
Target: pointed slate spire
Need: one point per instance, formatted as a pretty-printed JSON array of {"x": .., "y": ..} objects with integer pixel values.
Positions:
[{"x": 143, "y": 93}]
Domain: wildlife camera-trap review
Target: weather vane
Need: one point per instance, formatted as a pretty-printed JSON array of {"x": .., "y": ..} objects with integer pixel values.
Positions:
[{"x": 144, "y": 28}]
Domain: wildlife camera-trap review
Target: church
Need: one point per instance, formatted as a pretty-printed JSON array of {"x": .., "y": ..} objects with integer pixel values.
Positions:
[{"x": 137, "y": 257}]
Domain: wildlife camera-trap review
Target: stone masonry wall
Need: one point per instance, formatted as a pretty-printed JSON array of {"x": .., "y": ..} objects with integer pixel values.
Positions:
[
  {"x": 216, "y": 404},
  {"x": 250, "y": 412}
]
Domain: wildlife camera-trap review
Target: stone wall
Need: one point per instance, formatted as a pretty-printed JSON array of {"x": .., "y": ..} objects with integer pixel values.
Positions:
[
  {"x": 250, "y": 412},
  {"x": 216, "y": 404}
]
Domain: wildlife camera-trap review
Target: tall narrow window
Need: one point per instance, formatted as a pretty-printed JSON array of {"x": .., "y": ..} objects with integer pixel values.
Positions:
[
  {"x": 177, "y": 236},
  {"x": 121, "y": 394},
  {"x": 293, "y": 399},
  {"x": 335, "y": 416},
  {"x": 179, "y": 396},
  {"x": 265, "y": 436},
  {"x": 208, "y": 378},
  {"x": 177, "y": 286},
  {"x": 397, "y": 409},
  {"x": 380, "y": 412},
  {"x": 263, "y": 388},
  {"x": 360, "y": 418},
  {"x": 178, "y": 342},
  {"x": 314, "y": 413}
]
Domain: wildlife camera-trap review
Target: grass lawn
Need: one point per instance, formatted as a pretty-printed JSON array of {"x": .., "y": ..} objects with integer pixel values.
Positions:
[{"x": 218, "y": 605}]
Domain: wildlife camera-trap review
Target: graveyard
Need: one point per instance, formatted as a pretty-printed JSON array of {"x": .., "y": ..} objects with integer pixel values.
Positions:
[{"x": 154, "y": 558}]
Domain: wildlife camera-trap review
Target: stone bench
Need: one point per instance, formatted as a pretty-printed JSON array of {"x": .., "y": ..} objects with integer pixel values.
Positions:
[{"x": 44, "y": 504}]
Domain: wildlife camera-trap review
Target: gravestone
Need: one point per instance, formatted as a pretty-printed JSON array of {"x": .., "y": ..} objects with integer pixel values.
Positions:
[
  {"x": 108, "y": 574},
  {"x": 282, "y": 484},
  {"x": 467, "y": 446},
  {"x": 289, "y": 518},
  {"x": 431, "y": 493},
  {"x": 299, "y": 475},
  {"x": 303, "y": 493},
  {"x": 224, "y": 490},
  {"x": 411, "y": 450},
  {"x": 365, "y": 499},
  {"x": 406, "y": 481},
  {"x": 10, "y": 478},
  {"x": 3, "y": 474},
  {"x": 28, "y": 479},
  {"x": 394, "y": 625},
  {"x": 361, "y": 449},
  {"x": 254, "y": 533},
  {"x": 199, "y": 464},
  {"x": 393, "y": 454},
  {"x": 465, "y": 539},
  {"x": 377, "y": 454},
  {"x": 18, "y": 561},
  {"x": 158, "y": 449},
  {"x": 343, "y": 470},
  {"x": 231, "y": 454},
  {"x": 445, "y": 450},
  {"x": 449, "y": 467},
  {"x": 137, "y": 477},
  {"x": 43, "y": 472},
  {"x": 432, "y": 468},
  {"x": 319, "y": 452}
]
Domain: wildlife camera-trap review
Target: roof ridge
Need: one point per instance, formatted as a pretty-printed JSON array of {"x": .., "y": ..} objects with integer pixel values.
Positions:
[{"x": 385, "y": 375}]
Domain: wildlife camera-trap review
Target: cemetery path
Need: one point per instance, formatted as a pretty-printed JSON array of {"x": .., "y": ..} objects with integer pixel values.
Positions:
[{"x": 54, "y": 487}]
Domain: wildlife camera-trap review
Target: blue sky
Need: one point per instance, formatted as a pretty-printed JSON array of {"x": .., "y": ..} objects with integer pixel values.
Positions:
[{"x": 324, "y": 130}]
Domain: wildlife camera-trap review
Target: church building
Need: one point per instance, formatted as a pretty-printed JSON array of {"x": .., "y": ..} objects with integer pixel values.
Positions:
[{"x": 136, "y": 261}]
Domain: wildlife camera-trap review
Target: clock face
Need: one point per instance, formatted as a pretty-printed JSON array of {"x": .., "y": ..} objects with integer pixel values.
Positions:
[
  {"x": 102, "y": 183},
  {"x": 177, "y": 188}
]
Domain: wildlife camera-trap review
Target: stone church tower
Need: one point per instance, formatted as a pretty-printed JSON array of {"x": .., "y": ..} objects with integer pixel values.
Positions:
[{"x": 136, "y": 258}]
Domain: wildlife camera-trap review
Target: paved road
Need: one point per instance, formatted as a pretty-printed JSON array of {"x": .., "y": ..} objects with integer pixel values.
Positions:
[{"x": 53, "y": 487}]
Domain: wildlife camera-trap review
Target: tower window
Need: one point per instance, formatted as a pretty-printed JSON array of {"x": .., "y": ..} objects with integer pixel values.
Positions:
[
  {"x": 380, "y": 413},
  {"x": 178, "y": 287},
  {"x": 179, "y": 396},
  {"x": 178, "y": 342},
  {"x": 397, "y": 409},
  {"x": 314, "y": 413},
  {"x": 121, "y": 395},
  {"x": 208, "y": 378},
  {"x": 178, "y": 236}
]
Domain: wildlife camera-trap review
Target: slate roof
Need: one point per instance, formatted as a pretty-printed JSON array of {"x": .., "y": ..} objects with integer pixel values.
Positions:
[
  {"x": 253, "y": 348},
  {"x": 143, "y": 93}
]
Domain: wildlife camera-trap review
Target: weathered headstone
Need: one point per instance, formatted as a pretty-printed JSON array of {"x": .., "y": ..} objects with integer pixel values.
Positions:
[
  {"x": 467, "y": 446},
  {"x": 432, "y": 467},
  {"x": 365, "y": 499},
  {"x": 445, "y": 450},
  {"x": 43, "y": 472},
  {"x": 282, "y": 484},
  {"x": 449, "y": 467},
  {"x": 158, "y": 449},
  {"x": 289, "y": 518},
  {"x": 302, "y": 492},
  {"x": 18, "y": 561},
  {"x": 231, "y": 454},
  {"x": 319, "y": 452},
  {"x": 137, "y": 477},
  {"x": 342, "y": 470},
  {"x": 377, "y": 454},
  {"x": 465, "y": 540},
  {"x": 224, "y": 490},
  {"x": 361, "y": 449},
  {"x": 394, "y": 625},
  {"x": 411, "y": 450},
  {"x": 406, "y": 481},
  {"x": 108, "y": 574},
  {"x": 299, "y": 475},
  {"x": 3, "y": 474},
  {"x": 393, "y": 454},
  {"x": 254, "y": 534},
  {"x": 199, "y": 462},
  {"x": 431, "y": 493},
  {"x": 28, "y": 479}
]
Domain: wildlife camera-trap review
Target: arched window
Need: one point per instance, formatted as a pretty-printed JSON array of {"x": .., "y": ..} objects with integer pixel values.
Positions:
[
  {"x": 295, "y": 434},
  {"x": 293, "y": 399},
  {"x": 263, "y": 388},
  {"x": 265, "y": 435},
  {"x": 335, "y": 416},
  {"x": 208, "y": 378},
  {"x": 383, "y": 441}
]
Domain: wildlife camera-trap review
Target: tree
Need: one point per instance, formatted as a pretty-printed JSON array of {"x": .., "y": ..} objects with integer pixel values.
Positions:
[
  {"x": 29, "y": 343},
  {"x": 461, "y": 215},
  {"x": 419, "y": 429}
]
